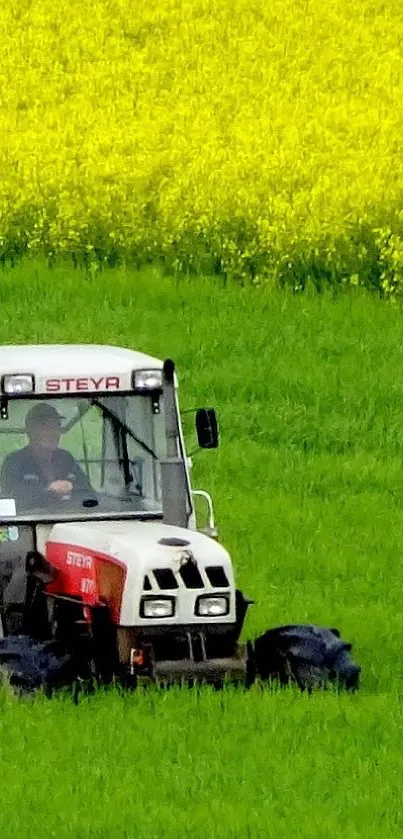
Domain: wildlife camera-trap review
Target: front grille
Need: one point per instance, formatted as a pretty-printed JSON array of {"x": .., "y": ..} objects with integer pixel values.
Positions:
[
  {"x": 217, "y": 576},
  {"x": 165, "y": 578},
  {"x": 191, "y": 575},
  {"x": 146, "y": 583}
]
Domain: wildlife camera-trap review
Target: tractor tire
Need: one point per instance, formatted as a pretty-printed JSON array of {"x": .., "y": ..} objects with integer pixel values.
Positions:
[
  {"x": 27, "y": 665},
  {"x": 306, "y": 655}
]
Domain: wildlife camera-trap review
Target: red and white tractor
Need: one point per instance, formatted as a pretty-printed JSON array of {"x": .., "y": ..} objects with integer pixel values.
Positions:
[{"x": 104, "y": 572}]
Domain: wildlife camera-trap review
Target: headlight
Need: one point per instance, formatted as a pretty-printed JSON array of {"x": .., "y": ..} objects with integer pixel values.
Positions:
[
  {"x": 212, "y": 606},
  {"x": 18, "y": 383},
  {"x": 157, "y": 607},
  {"x": 144, "y": 380}
]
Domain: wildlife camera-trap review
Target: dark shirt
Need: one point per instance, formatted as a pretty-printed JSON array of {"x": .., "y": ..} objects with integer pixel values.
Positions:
[{"x": 26, "y": 477}]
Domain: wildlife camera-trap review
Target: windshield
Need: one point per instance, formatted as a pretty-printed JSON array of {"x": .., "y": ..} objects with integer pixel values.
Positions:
[{"x": 81, "y": 456}]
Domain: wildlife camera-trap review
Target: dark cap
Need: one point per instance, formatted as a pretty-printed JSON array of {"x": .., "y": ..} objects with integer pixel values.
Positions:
[{"x": 42, "y": 413}]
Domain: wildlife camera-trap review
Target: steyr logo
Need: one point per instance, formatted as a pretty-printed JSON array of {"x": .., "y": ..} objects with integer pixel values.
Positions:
[
  {"x": 78, "y": 560},
  {"x": 84, "y": 383}
]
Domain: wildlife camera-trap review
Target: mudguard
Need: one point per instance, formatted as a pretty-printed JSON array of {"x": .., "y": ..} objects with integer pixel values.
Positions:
[{"x": 308, "y": 655}]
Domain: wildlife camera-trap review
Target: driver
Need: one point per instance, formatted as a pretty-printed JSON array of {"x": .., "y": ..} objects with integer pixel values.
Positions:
[{"x": 42, "y": 471}]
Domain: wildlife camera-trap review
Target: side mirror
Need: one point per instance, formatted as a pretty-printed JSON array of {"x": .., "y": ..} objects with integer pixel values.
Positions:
[{"x": 207, "y": 428}]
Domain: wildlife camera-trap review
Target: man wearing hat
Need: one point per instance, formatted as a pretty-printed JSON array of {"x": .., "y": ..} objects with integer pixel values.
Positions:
[{"x": 41, "y": 472}]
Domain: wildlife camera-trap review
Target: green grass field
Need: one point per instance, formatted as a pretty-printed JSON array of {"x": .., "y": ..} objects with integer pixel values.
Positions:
[{"x": 308, "y": 490}]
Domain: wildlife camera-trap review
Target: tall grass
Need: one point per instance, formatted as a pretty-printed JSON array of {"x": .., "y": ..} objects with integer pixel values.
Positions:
[
  {"x": 307, "y": 487},
  {"x": 196, "y": 765}
]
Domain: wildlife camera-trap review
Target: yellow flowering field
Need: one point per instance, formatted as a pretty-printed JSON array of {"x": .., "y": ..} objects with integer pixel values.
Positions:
[{"x": 260, "y": 140}]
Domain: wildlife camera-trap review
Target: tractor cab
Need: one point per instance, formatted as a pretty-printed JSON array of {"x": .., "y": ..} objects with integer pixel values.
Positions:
[{"x": 108, "y": 422}]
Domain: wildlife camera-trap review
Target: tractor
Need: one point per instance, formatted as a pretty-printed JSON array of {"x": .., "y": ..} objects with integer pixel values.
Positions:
[{"x": 105, "y": 571}]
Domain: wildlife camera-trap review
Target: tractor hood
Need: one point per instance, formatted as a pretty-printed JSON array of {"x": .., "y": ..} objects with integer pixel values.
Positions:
[{"x": 155, "y": 559}]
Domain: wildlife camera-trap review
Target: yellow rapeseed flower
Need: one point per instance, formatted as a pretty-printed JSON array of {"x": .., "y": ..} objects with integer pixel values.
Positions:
[{"x": 260, "y": 139}]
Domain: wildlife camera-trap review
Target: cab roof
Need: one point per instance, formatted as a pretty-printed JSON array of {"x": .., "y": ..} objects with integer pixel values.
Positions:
[{"x": 48, "y": 360}]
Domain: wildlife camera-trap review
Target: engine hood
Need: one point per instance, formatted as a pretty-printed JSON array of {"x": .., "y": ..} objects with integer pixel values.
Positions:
[
  {"x": 139, "y": 538},
  {"x": 143, "y": 548}
]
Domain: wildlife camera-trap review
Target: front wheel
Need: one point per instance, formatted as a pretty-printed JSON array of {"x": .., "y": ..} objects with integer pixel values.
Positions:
[{"x": 27, "y": 665}]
